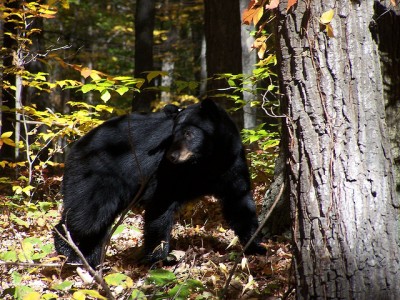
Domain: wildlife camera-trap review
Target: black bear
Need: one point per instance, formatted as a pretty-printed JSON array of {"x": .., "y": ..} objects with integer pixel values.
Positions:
[
  {"x": 183, "y": 154},
  {"x": 104, "y": 171}
]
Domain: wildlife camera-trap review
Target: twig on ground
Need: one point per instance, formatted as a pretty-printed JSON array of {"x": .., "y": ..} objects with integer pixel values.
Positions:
[{"x": 96, "y": 275}]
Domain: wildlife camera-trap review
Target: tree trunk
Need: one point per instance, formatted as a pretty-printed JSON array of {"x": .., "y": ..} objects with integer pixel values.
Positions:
[
  {"x": 248, "y": 61},
  {"x": 144, "y": 27},
  {"x": 223, "y": 40},
  {"x": 386, "y": 30},
  {"x": 8, "y": 78},
  {"x": 344, "y": 209}
]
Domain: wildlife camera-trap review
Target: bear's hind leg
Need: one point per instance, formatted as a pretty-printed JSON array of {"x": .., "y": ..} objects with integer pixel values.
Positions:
[{"x": 88, "y": 222}]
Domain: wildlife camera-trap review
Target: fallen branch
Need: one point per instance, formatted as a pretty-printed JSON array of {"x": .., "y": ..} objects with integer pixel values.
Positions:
[{"x": 30, "y": 264}]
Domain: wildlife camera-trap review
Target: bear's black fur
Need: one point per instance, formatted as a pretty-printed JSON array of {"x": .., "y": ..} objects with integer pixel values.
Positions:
[
  {"x": 104, "y": 171},
  {"x": 185, "y": 155}
]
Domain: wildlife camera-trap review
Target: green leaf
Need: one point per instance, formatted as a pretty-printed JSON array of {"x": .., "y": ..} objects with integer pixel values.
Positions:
[
  {"x": 17, "y": 220},
  {"x": 63, "y": 286},
  {"x": 88, "y": 87},
  {"x": 122, "y": 90},
  {"x": 161, "y": 277},
  {"x": 137, "y": 295},
  {"x": 180, "y": 292},
  {"x": 119, "y": 229},
  {"x": 45, "y": 206},
  {"x": 9, "y": 256},
  {"x": 21, "y": 291},
  {"x": 16, "y": 278},
  {"x": 117, "y": 279}
]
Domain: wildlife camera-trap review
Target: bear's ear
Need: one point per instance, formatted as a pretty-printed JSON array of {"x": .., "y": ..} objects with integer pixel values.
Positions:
[
  {"x": 171, "y": 110},
  {"x": 208, "y": 105}
]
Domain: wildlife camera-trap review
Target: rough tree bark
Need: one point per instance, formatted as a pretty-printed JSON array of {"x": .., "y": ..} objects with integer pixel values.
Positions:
[{"x": 344, "y": 210}]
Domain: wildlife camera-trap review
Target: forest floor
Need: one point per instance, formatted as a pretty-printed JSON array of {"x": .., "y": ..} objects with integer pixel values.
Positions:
[{"x": 30, "y": 269}]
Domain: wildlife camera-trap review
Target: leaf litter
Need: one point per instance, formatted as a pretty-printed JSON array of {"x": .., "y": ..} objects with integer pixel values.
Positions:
[{"x": 204, "y": 254}]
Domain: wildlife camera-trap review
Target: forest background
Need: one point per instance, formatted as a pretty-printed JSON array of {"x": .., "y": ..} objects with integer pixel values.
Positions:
[{"x": 318, "y": 77}]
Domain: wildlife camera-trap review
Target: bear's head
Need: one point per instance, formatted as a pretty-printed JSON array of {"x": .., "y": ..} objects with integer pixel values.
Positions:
[{"x": 195, "y": 133}]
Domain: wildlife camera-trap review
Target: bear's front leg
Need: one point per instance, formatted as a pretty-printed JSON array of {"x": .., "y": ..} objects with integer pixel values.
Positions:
[{"x": 158, "y": 221}]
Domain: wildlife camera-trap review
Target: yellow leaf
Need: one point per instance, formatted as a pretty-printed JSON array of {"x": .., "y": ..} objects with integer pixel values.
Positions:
[
  {"x": 153, "y": 74},
  {"x": 249, "y": 284},
  {"x": 41, "y": 222},
  {"x": 223, "y": 268},
  {"x": 65, "y": 4},
  {"x": 261, "y": 51},
  {"x": 78, "y": 295},
  {"x": 233, "y": 242},
  {"x": 32, "y": 296},
  {"x": 258, "y": 15},
  {"x": 9, "y": 142},
  {"x": 105, "y": 96},
  {"x": 327, "y": 17},
  {"x": 95, "y": 75},
  {"x": 221, "y": 229},
  {"x": 244, "y": 263},
  {"x": 27, "y": 190},
  {"x": 6, "y": 134}
]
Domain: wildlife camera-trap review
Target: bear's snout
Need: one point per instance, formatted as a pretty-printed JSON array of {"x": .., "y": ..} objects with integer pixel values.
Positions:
[{"x": 179, "y": 156}]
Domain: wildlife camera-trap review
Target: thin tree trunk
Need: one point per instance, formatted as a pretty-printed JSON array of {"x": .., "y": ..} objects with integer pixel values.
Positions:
[
  {"x": 248, "y": 61},
  {"x": 223, "y": 41},
  {"x": 144, "y": 27},
  {"x": 8, "y": 78},
  {"x": 344, "y": 209}
]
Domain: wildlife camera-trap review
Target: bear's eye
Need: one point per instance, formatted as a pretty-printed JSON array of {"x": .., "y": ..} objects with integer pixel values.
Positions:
[{"x": 188, "y": 134}]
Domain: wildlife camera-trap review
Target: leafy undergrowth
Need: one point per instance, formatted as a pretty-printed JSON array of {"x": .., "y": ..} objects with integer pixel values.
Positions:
[{"x": 30, "y": 269}]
